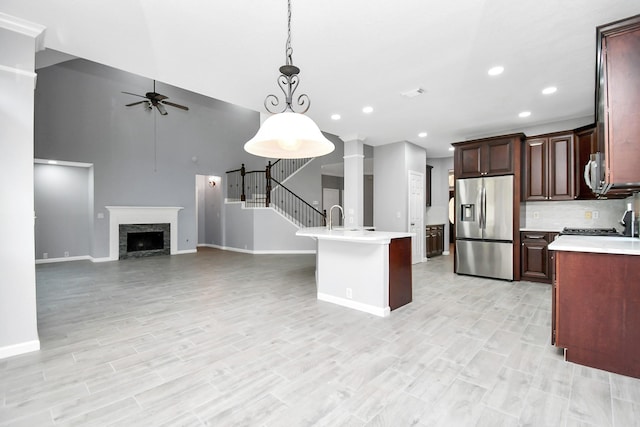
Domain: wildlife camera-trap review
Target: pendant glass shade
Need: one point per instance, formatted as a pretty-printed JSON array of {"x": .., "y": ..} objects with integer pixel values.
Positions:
[{"x": 289, "y": 135}]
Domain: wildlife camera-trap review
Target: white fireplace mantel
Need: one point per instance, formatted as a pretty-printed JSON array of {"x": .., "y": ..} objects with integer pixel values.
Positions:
[{"x": 141, "y": 215}]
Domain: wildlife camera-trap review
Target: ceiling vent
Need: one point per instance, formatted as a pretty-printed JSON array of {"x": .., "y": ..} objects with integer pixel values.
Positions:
[{"x": 413, "y": 92}]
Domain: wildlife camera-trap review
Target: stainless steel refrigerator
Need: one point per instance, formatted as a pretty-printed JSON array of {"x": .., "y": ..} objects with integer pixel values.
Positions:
[{"x": 484, "y": 227}]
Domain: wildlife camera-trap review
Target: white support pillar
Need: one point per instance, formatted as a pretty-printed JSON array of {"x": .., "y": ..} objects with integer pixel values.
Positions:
[
  {"x": 19, "y": 41},
  {"x": 354, "y": 182}
]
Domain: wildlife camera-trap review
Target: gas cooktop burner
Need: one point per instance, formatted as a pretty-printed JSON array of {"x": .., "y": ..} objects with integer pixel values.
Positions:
[{"x": 590, "y": 232}]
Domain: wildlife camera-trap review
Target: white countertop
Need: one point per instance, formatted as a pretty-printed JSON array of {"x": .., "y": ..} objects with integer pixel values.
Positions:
[
  {"x": 356, "y": 235},
  {"x": 597, "y": 244}
]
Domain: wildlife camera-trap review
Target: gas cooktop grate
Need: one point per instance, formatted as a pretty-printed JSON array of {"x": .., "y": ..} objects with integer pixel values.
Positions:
[{"x": 590, "y": 232}]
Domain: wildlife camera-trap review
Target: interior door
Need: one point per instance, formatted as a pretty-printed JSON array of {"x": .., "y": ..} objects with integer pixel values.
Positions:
[{"x": 416, "y": 215}]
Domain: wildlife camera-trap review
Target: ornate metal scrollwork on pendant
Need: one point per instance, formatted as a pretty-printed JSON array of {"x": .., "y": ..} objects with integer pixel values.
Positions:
[{"x": 288, "y": 84}]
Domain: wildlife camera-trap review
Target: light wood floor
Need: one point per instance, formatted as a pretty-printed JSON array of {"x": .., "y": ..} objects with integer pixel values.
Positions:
[{"x": 221, "y": 338}]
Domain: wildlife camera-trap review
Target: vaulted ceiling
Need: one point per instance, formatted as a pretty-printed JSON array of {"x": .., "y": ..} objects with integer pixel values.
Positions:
[{"x": 357, "y": 53}]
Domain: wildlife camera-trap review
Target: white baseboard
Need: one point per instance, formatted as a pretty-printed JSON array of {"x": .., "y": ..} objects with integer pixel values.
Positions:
[
  {"x": 186, "y": 251},
  {"x": 16, "y": 349},
  {"x": 103, "y": 259},
  {"x": 65, "y": 259},
  {"x": 252, "y": 252},
  {"x": 445, "y": 252},
  {"x": 376, "y": 311}
]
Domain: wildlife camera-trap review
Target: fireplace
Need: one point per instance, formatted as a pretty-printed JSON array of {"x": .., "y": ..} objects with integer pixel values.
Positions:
[
  {"x": 142, "y": 219},
  {"x": 143, "y": 240}
]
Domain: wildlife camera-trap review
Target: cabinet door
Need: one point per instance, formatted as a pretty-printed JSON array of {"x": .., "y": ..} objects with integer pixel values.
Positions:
[
  {"x": 535, "y": 257},
  {"x": 439, "y": 239},
  {"x": 586, "y": 143},
  {"x": 467, "y": 160},
  {"x": 535, "y": 169},
  {"x": 428, "y": 186},
  {"x": 560, "y": 169},
  {"x": 622, "y": 121},
  {"x": 498, "y": 157}
]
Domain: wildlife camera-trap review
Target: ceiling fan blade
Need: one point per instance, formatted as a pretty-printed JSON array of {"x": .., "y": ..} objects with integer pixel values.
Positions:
[
  {"x": 155, "y": 95},
  {"x": 134, "y": 94},
  {"x": 182, "y": 107},
  {"x": 135, "y": 103},
  {"x": 161, "y": 108}
]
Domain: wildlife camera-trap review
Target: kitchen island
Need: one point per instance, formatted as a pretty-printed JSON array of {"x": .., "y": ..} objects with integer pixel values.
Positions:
[
  {"x": 596, "y": 302},
  {"x": 362, "y": 269}
]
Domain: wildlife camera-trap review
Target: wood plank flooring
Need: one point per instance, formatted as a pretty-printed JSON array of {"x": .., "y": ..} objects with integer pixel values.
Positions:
[{"x": 222, "y": 339}]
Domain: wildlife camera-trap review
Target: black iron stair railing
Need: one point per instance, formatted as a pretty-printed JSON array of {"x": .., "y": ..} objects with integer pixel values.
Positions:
[{"x": 265, "y": 189}]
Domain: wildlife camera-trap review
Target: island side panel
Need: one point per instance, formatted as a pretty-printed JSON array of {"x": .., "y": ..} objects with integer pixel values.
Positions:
[
  {"x": 598, "y": 301},
  {"x": 361, "y": 268},
  {"x": 400, "y": 285}
]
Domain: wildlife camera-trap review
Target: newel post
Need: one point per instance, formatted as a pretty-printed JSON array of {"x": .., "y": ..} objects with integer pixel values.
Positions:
[
  {"x": 243, "y": 197},
  {"x": 268, "y": 188}
]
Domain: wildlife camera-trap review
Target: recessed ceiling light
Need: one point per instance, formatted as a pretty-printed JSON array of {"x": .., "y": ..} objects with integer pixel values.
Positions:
[
  {"x": 496, "y": 70},
  {"x": 52, "y": 162},
  {"x": 422, "y": 134},
  {"x": 335, "y": 117},
  {"x": 452, "y": 148},
  {"x": 524, "y": 114},
  {"x": 367, "y": 110},
  {"x": 549, "y": 90}
]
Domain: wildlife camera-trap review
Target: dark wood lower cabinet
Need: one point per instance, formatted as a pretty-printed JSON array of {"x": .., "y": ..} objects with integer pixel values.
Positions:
[
  {"x": 535, "y": 259},
  {"x": 597, "y": 310},
  {"x": 400, "y": 289},
  {"x": 435, "y": 240}
]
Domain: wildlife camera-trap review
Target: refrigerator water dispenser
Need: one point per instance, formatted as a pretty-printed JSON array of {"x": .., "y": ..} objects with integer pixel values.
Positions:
[{"x": 467, "y": 212}]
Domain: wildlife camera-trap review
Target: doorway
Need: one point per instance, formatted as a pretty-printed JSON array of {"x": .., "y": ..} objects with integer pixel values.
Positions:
[
  {"x": 209, "y": 211},
  {"x": 416, "y": 215},
  {"x": 330, "y": 197}
]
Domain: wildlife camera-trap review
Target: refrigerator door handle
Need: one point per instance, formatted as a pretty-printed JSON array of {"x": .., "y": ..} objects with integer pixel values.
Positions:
[{"x": 483, "y": 208}]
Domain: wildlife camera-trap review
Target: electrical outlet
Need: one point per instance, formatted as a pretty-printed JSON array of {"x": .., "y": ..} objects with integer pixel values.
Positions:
[
  {"x": 66, "y": 253},
  {"x": 349, "y": 293},
  {"x": 587, "y": 215},
  {"x": 596, "y": 214},
  {"x": 536, "y": 215},
  {"x": 45, "y": 255}
]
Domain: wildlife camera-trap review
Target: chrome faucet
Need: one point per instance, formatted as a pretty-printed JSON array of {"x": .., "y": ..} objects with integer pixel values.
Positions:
[{"x": 331, "y": 210}]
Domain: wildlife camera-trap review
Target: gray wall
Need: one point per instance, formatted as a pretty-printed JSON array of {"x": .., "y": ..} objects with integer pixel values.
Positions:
[
  {"x": 438, "y": 213},
  {"x": 63, "y": 202},
  {"x": 392, "y": 163},
  {"x": 140, "y": 158}
]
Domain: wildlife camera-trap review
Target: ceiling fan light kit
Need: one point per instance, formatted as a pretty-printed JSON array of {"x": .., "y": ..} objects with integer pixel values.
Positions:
[
  {"x": 154, "y": 99},
  {"x": 288, "y": 134}
]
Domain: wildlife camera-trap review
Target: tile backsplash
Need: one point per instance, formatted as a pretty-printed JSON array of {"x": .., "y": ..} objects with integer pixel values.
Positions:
[{"x": 554, "y": 216}]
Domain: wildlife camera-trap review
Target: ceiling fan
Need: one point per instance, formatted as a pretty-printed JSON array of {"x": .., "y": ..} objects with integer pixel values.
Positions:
[{"x": 154, "y": 99}]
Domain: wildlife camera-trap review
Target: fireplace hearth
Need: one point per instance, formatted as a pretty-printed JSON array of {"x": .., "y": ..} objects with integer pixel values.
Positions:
[{"x": 144, "y": 240}]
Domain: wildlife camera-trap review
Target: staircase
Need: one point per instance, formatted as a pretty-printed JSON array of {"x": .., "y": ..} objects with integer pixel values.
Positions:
[{"x": 266, "y": 189}]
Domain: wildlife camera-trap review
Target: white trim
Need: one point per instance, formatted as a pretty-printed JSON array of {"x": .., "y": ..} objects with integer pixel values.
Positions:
[
  {"x": 186, "y": 251},
  {"x": 445, "y": 252},
  {"x": 21, "y": 26},
  {"x": 376, "y": 311},
  {"x": 16, "y": 349},
  {"x": 62, "y": 163},
  {"x": 354, "y": 156},
  {"x": 141, "y": 215},
  {"x": 102, "y": 259},
  {"x": 252, "y": 252},
  {"x": 19, "y": 72},
  {"x": 65, "y": 259}
]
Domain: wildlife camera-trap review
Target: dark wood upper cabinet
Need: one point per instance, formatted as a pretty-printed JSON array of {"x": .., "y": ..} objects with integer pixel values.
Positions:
[
  {"x": 487, "y": 157},
  {"x": 586, "y": 143},
  {"x": 548, "y": 171},
  {"x": 618, "y": 101},
  {"x": 428, "y": 185}
]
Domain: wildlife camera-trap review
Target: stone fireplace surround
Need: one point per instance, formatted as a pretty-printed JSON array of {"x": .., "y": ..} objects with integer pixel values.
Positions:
[{"x": 121, "y": 215}]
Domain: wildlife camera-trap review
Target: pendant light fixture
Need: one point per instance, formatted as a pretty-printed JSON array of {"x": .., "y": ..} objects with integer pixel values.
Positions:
[{"x": 288, "y": 134}]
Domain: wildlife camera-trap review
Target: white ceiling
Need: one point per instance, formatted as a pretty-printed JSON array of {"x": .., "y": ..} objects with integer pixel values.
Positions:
[{"x": 356, "y": 53}]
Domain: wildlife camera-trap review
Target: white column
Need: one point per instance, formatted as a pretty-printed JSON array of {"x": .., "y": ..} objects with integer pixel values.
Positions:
[
  {"x": 354, "y": 182},
  {"x": 19, "y": 40}
]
